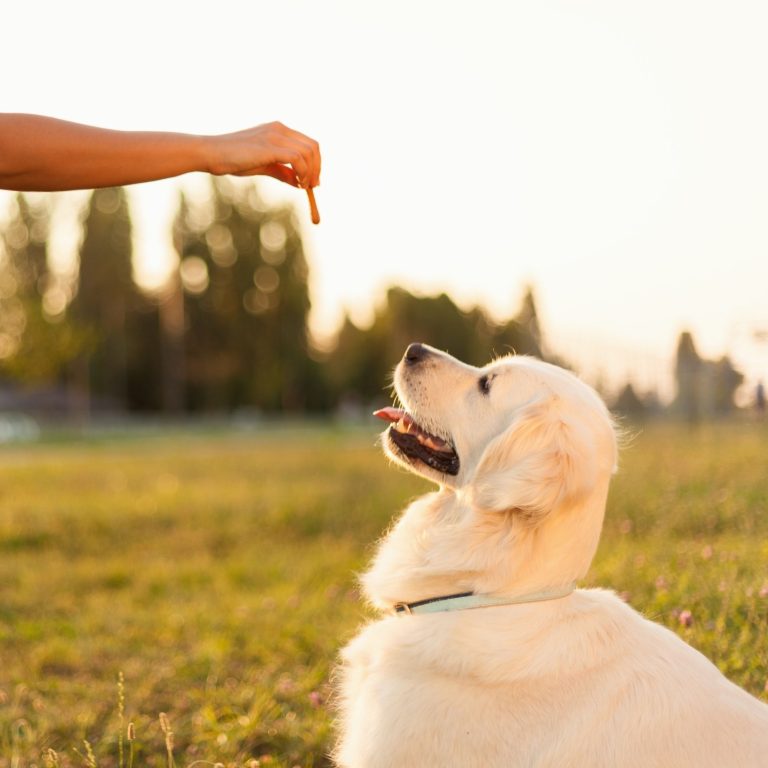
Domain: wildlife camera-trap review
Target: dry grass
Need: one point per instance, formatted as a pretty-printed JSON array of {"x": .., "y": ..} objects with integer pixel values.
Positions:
[{"x": 216, "y": 573}]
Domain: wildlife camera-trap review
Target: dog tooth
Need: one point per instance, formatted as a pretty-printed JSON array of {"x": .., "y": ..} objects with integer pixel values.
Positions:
[{"x": 437, "y": 444}]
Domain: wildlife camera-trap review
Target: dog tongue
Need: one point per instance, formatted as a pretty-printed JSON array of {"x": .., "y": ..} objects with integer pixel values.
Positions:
[{"x": 389, "y": 414}]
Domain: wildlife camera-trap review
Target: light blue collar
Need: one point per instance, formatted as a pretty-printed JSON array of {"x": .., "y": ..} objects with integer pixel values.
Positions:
[{"x": 468, "y": 600}]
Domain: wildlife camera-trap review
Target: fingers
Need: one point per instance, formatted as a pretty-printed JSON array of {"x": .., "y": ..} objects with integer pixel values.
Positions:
[
  {"x": 311, "y": 155},
  {"x": 272, "y": 149},
  {"x": 302, "y": 152}
]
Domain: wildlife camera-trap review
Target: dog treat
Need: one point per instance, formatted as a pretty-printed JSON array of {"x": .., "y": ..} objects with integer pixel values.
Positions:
[{"x": 313, "y": 206}]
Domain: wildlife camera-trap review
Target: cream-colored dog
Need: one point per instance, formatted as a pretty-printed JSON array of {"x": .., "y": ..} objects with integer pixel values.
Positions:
[{"x": 491, "y": 659}]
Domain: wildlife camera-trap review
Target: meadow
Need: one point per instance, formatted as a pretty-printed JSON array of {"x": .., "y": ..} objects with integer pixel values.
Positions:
[{"x": 214, "y": 574}]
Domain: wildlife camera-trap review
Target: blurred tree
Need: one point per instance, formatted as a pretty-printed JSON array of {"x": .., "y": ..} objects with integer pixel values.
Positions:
[
  {"x": 434, "y": 320},
  {"x": 173, "y": 364},
  {"x": 37, "y": 342},
  {"x": 362, "y": 359},
  {"x": 246, "y": 302},
  {"x": 359, "y": 364},
  {"x": 118, "y": 370},
  {"x": 144, "y": 354},
  {"x": 726, "y": 381},
  {"x": 629, "y": 404},
  {"x": 705, "y": 388},
  {"x": 688, "y": 365},
  {"x": 522, "y": 334}
]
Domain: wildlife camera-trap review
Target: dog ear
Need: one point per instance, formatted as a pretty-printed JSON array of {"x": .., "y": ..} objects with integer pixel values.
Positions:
[{"x": 540, "y": 462}]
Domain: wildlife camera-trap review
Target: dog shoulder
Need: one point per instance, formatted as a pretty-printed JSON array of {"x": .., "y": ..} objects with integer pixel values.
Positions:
[{"x": 671, "y": 690}]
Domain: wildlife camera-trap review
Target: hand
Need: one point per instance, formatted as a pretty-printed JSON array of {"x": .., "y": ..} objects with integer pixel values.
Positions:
[{"x": 271, "y": 149}]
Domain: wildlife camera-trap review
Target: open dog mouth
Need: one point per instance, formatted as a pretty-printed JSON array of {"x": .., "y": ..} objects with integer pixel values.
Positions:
[{"x": 416, "y": 443}]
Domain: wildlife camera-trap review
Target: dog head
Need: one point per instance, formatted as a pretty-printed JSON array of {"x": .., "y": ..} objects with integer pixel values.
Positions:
[
  {"x": 523, "y": 449},
  {"x": 524, "y": 434}
]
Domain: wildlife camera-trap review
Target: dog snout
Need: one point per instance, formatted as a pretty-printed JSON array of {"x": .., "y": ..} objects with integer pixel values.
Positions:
[{"x": 416, "y": 353}]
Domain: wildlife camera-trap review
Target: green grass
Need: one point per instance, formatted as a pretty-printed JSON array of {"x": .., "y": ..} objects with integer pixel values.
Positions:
[{"x": 217, "y": 574}]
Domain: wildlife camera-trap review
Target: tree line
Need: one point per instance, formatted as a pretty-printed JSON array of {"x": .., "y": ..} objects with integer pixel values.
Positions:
[
  {"x": 705, "y": 390},
  {"x": 229, "y": 329}
]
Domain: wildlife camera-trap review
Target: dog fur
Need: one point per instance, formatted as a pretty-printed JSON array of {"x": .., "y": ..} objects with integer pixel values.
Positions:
[{"x": 578, "y": 682}]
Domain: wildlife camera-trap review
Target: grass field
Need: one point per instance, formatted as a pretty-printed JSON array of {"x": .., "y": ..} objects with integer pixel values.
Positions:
[{"x": 215, "y": 572}]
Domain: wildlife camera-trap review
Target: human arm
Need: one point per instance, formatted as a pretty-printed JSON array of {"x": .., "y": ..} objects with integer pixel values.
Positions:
[{"x": 45, "y": 154}]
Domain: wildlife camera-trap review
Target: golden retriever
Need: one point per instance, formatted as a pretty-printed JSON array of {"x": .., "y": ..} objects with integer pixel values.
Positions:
[{"x": 490, "y": 657}]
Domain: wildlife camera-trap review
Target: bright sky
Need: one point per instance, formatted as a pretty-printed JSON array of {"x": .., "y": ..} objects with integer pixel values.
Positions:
[{"x": 613, "y": 154}]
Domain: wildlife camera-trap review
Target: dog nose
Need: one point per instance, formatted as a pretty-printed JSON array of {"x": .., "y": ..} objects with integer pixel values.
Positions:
[{"x": 415, "y": 353}]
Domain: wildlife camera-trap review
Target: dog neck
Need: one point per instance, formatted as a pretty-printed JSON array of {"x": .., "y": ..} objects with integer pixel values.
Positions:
[{"x": 442, "y": 547}]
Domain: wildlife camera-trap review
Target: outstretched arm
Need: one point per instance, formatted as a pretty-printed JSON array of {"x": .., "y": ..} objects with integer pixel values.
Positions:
[{"x": 43, "y": 154}]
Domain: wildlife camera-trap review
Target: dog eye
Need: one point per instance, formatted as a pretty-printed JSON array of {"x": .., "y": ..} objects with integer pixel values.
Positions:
[{"x": 485, "y": 384}]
